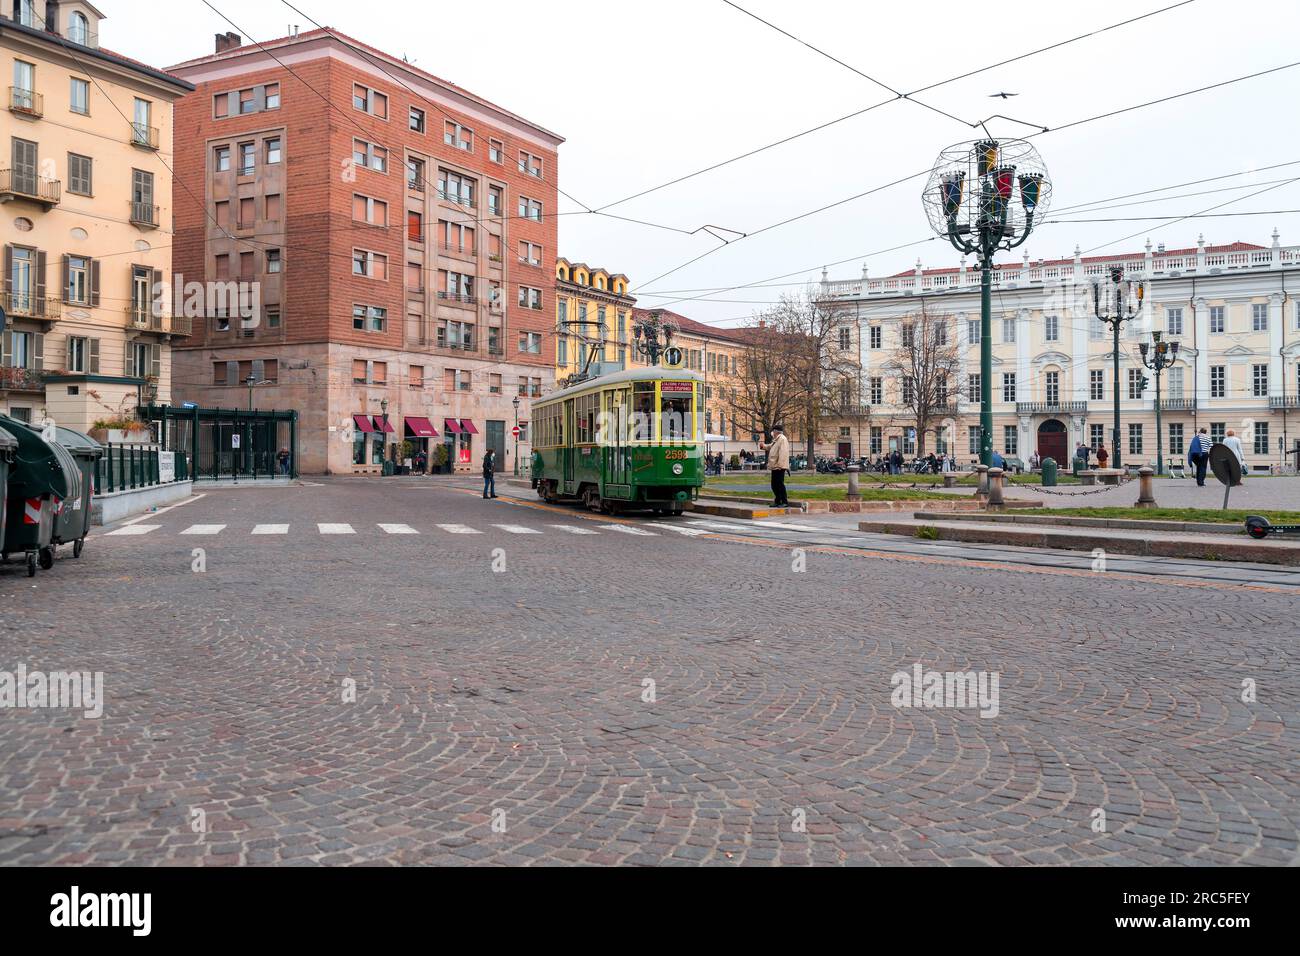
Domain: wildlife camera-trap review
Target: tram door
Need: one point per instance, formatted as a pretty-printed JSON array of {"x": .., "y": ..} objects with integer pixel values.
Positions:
[
  {"x": 569, "y": 450},
  {"x": 618, "y": 440}
]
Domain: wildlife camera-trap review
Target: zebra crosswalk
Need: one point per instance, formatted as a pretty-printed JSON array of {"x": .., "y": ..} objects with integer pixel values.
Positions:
[{"x": 342, "y": 529}]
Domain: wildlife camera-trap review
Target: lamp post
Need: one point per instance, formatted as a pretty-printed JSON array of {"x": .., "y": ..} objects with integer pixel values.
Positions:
[
  {"x": 970, "y": 200},
  {"x": 1116, "y": 307},
  {"x": 646, "y": 337},
  {"x": 1161, "y": 357},
  {"x": 515, "y": 403},
  {"x": 383, "y": 432}
]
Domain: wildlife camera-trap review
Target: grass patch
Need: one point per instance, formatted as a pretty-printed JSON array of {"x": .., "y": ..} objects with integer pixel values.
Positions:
[
  {"x": 812, "y": 493},
  {"x": 926, "y": 533},
  {"x": 1208, "y": 515}
]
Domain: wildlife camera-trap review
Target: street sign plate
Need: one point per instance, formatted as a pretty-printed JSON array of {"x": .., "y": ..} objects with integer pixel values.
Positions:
[
  {"x": 234, "y": 440},
  {"x": 515, "y": 431}
]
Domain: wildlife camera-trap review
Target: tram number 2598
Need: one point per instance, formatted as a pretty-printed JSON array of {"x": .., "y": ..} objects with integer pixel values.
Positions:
[{"x": 675, "y": 454}]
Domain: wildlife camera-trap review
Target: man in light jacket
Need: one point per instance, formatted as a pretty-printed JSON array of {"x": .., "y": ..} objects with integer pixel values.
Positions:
[
  {"x": 778, "y": 463},
  {"x": 1233, "y": 442}
]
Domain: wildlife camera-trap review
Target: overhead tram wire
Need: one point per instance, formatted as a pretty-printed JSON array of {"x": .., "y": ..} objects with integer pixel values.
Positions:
[
  {"x": 1080, "y": 122},
  {"x": 892, "y": 99}
]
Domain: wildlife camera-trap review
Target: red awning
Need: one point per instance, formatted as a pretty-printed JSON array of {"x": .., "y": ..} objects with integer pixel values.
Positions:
[
  {"x": 468, "y": 426},
  {"x": 363, "y": 423},
  {"x": 382, "y": 424},
  {"x": 451, "y": 425},
  {"x": 420, "y": 427}
]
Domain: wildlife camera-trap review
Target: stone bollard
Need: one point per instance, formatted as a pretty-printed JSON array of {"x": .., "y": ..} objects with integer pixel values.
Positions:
[
  {"x": 1146, "y": 495},
  {"x": 995, "y": 502},
  {"x": 854, "y": 494},
  {"x": 982, "y": 473},
  {"x": 950, "y": 481}
]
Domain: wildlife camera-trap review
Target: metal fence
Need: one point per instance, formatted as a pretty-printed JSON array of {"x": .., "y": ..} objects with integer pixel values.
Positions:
[
  {"x": 216, "y": 443},
  {"x": 124, "y": 467}
]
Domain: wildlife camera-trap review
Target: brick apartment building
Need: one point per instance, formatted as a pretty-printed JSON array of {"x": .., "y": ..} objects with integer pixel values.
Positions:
[{"x": 398, "y": 243}]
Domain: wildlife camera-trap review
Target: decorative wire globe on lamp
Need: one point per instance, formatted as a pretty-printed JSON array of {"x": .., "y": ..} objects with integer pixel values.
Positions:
[{"x": 983, "y": 197}]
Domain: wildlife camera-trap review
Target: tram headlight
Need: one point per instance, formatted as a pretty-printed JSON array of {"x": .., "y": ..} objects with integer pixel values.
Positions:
[{"x": 677, "y": 468}]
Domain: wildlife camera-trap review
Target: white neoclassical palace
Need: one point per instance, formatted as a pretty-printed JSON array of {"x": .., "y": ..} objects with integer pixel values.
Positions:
[{"x": 1234, "y": 310}]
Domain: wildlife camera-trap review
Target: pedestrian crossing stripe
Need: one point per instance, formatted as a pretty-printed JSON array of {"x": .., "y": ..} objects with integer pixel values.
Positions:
[
  {"x": 204, "y": 529},
  {"x": 516, "y": 529},
  {"x": 572, "y": 529},
  {"x": 629, "y": 529},
  {"x": 458, "y": 529},
  {"x": 398, "y": 529},
  {"x": 340, "y": 528},
  {"x": 335, "y": 528},
  {"x": 136, "y": 529},
  {"x": 271, "y": 529}
]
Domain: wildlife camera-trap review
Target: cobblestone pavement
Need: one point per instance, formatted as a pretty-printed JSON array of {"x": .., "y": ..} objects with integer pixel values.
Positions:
[{"x": 518, "y": 697}]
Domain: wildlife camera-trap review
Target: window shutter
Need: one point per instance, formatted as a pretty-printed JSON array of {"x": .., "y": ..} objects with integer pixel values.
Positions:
[
  {"x": 6, "y": 346},
  {"x": 9, "y": 268},
  {"x": 259, "y": 370},
  {"x": 94, "y": 283},
  {"x": 67, "y": 278},
  {"x": 233, "y": 108},
  {"x": 92, "y": 356},
  {"x": 38, "y": 352},
  {"x": 128, "y": 364},
  {"x": 232, "y": 373},
  {"x": 40, "y": 279},
  {"x": 155, "y": 293},
  {"x": 259, "y": 98},
  {"x": 155, "y": 361}
]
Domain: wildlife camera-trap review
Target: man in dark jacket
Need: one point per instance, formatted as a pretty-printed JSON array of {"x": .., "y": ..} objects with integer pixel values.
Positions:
[
  {"x": 489, "y": 474},
  {"x": 1198, "y": 455}
]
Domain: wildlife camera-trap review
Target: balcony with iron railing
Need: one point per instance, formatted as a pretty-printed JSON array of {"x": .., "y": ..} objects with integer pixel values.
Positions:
[
  {"x": 1284, "y": 401},
  {"x": 1051, "y": 408},
  {"x": 144, "y": 215},
  {"x": 1178, "y": 404},
  {"x": 25, "y": 184},
  {"x": 456, "y": 198},
  {"x": 26, "y": 102},
  {"x": 458, "y": 297},
  {"x": 144, "y": 136},
  {"x": 27, "y": 305},
  {"x": 14, "y": 379},
  {"x": 145, "y": 318}
]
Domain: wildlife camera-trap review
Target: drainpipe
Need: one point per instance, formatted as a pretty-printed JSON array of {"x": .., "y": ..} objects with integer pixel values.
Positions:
[{"x": 1196, "y": 368}]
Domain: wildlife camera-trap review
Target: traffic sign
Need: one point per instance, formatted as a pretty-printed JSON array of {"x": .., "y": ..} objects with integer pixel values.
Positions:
[{"x": 515, "y": 431}]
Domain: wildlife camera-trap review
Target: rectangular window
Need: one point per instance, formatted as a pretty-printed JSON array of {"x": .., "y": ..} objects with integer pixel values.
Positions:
[
  {"x": 1174, "y": 321},
  {"x": 1053, "y": 386},
  {"x": 530, "y": 298},
  {"x": 369, "y": 156},
  {"x": 221, "y": 105},
  {"x": 273, "y": 207},
  {"x": 530, "y": 253},
  {"x": 1051, "y": 328},
  {"x": 1096, "y": 435},
  {"x": 221, "y": 159},
  {"x": 1096, "y": 384},
  {"x": 1176, "y": 382},
  {"x": 273, "y": 151},
  {"x": 1176, "y": 446},
  {"x": 973, "y": 331},
  {"x": 1135, "y": 438},
  {"x": 496, "y": 151},
  {"x": 247, "y": 158},
  {"x": 247, "y": 212},
  {"x": 369, "y": 210},
  {"x": 1008, "y": 386},
  {"x": 368, "y": 101},
  {"x": 272, "y": 317},
  {"x": 272, "y": 261},
  {"x": 414, "y": 226},
  {"x": 973, "y": 439},
  {"x": 1259, "y": 381},
  {"x": 530, "y": 342},
  {"x": 370, "y": 265},
  {"x": 1096, "y": 328},
  {"x": 415, "y": 175},
  {"x": 1217, "y": 321},
  {"x": 456, "y": 188},
  {"x": 1009, "y": 329},
  {"x": 272, "y": 96},
  {"x": 974, "y": 383},
  {"x": 1259, "y": 317},
  {"x": 1010, "y": 440},
  {"x": 875, "y": 337},
  {"x": 908, "y": 391},
  {"x": 80, "y": 174},
  {"x": 78, "y": 291},
  {"x": 79, "y": 98},
  {"x": 1261, "y": 438},
  {"x": 496, "y": 200},
  {"x": 1218, "y": 431},
  {"x": 907, "y": 335},
  {"x": 458, "y": 136},
  {"x": 530, "y": 209},
  {"x": 1136, "y": 383},
  {"x": 530, "y": 164},
  {"x": 1218, "y": 381},
  {"x": 416, "y": 120},
  {"x": 247, "y": 101}
]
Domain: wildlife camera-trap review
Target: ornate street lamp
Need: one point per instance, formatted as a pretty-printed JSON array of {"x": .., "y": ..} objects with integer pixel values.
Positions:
[
  {"x": 646, "y": 336},
  {"x": 1121, "y": 303},
  {"x": 1162, "y": 356},
  {"x": 983, "y": 197}
]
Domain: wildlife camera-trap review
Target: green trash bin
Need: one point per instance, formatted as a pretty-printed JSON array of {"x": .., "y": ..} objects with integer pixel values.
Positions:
[
  {"x": 8, "y": 451},
  {"x": 1049, "y": 472},
  {"x": 73, "y": 520},
  {"x": 1078, "y": 465},
  {"x": 39, "y": 479}
]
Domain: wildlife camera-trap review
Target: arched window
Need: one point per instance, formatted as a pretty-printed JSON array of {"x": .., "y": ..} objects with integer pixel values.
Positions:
[
  {"x": 564, "y": 274},
  {"x": 78, "y": 29}
]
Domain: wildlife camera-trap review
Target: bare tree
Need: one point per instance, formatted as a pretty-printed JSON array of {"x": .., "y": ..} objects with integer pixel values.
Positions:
[
  {"x": 765, "y": 393},
  {"x": 924, "y": 370}
]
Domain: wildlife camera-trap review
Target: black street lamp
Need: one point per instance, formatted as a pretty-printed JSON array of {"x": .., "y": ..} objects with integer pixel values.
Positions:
[
  {"x": 971, "y": 201},
  {"x": 515, "y": 403},
  {"x": 1159, "y": 358},
  {"x": 1122, "y": 303},
  {"x": 646, "y": 337}
]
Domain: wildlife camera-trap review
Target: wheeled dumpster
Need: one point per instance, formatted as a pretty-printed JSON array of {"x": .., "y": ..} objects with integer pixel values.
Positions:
[
  {"x": 73, "y": 520},
  {"x": 8, "y": 449},
  {"x": 42, "y": 476}
]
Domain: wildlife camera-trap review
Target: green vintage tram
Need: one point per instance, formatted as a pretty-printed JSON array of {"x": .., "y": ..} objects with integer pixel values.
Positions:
[{"x": 629, "y": 441}]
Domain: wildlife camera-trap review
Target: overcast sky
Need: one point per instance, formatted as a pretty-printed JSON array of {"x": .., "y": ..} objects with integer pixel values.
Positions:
[{"x": 645, "y": 92}]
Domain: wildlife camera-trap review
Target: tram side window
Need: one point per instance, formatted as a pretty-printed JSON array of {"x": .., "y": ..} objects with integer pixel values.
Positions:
[{"x": 643, "y": 411}]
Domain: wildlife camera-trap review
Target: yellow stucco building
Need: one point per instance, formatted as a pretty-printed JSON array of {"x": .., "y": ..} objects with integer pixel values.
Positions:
[
  {"x": 85, "y": 219},
  {"x": 593, "y": 311}
]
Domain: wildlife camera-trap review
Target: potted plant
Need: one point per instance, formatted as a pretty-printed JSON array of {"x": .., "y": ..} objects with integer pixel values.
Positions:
[
  {"x": 439, "y": 457},
  {"x": 119, "y": 426}
]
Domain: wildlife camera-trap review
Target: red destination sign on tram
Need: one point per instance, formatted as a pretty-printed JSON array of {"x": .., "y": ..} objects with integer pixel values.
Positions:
[{"x": 676, "y": 387}]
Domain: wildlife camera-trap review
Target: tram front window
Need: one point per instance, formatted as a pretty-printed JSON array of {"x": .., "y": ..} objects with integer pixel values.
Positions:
[{"x": 675, "y": 417}]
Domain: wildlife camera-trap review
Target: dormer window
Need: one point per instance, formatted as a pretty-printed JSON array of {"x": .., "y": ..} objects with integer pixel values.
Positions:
[
  {"x": 79, "y": 29},
  {"x": 27, "y": 13}
]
